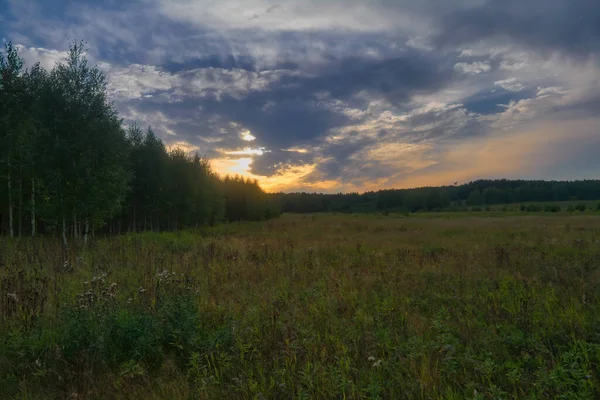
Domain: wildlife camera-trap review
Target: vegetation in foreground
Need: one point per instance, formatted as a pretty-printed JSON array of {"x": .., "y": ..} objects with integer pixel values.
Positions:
[{"x": 315, "y": 306}]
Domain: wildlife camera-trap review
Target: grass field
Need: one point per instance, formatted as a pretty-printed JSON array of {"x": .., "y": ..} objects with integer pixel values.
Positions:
[{"x": 304, "y": 307}]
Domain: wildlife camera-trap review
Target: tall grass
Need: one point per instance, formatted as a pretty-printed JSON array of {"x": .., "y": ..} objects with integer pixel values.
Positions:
[{"x": 309, "y": 307}]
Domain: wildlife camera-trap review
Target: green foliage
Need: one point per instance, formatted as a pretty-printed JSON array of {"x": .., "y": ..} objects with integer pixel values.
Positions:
[
  {"x": 244, "y": 200},
  {"x": 532, "y": 208},
  {"x": 552, "y": 208},
  {"x": 479, "y": 193},
  {"x": 67, "y": 165}
]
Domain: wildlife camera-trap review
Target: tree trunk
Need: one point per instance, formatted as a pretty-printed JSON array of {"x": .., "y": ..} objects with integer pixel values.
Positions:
[
  {"x": 20, "y": 207},
  {"x": 32, "y": 207},
  {"x": 64, "y": 232},
  {"x": 10, "y": 207},
  {"x": 75, "y": 225},
  {"x": 87, "y": 228}
]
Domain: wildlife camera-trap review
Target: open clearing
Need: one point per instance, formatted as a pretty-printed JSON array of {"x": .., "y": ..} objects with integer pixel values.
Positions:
[{"x": 313, "y": 306}]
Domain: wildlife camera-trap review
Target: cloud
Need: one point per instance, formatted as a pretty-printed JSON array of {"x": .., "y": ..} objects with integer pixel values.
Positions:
[
  {"x": 343, "y": 94},
  {"x": 46, "y": 57},
  {"x": 510, "y": 84},
  {"x": 568, "y": 26},
  {"x": 474, "y": 68}
]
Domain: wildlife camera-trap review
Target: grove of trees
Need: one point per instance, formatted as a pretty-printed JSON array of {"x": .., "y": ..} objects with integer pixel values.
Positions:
[
  {"x": 477, "y": 193},
  {"x": 69, "y": 167}
]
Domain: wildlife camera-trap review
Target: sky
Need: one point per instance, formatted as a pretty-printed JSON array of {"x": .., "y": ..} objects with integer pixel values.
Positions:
[{"x": 345, "y": 95}]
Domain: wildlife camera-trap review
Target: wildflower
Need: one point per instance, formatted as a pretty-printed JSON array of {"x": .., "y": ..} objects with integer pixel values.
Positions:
[
  {"x": 12, "y": 296},
  {"x": 85, "y": 283},
  {"x": 129, "y": 300},
  {"x": 371, "y": 359},
  {"x": 142, "y": 290},
  {"x": 377, "y": 364}
]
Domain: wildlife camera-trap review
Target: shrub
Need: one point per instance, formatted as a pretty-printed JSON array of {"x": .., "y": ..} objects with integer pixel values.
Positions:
[{"x": 533, "y": 208}]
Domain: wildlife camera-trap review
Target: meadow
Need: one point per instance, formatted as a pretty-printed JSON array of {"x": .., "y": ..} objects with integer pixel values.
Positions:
[{"x": 469, "y": 306}]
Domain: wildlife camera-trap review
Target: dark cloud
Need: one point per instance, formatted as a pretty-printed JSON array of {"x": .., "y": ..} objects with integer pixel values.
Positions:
[
  {"x": 396, "y": 79},
  {"x": 278, "y": 161},
  {"x": 215, "y": 61},
  {"x": 276, "y": 121},
  {"x": 570, "y": 26},
  {"x": 586, "y": 107},
  {"x": 338, "y": 156},
  {"x": 493, "y": 101},
  {"x": 290, "y": 112}
]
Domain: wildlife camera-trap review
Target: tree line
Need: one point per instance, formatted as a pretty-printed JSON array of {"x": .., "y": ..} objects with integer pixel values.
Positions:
[
  {"x": 452, "y": 197},
  {"x": 68, "y": 166}
]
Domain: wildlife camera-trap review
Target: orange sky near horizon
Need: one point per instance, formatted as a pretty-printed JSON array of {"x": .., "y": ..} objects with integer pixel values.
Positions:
[{"x": 501, "y": 155}]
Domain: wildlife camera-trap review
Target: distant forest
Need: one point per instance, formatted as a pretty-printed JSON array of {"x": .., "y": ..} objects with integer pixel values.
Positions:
[
  {"x": 473, "y": 195},
  {"x": 68, "y": 166}
]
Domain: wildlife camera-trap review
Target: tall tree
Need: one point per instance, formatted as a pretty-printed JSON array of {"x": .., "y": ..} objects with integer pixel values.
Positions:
[
  {"x": 11, "y": 119},
  {"x": 87, "y": 165}
]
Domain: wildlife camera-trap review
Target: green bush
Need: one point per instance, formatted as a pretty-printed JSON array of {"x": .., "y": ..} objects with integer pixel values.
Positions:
[
  {"x": 552, "y": 208},
  {"x": 103, "y": 338},
  {"x": 532, "y": 208}
]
